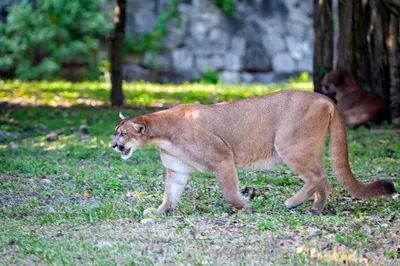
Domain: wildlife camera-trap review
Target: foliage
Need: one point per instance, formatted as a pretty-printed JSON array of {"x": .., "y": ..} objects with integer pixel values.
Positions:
[
  {"x": 303, "y": 77},
  {"x": 153, "y": 41},
  {"x": 36, "y": 43},
  {"x": 227, "y": 6},
  {"x": 210, "y": 77},
  {"x": 77, "y": 196}
]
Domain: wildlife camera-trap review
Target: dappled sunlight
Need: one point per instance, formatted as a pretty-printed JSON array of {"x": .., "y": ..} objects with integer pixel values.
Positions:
[
  {"x": 67, "y": 94},
  {"x": 340, "y": 255}
]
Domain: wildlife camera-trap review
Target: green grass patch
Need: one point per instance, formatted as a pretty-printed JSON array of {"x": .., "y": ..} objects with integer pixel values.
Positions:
[{"x": 74, "y": 201}]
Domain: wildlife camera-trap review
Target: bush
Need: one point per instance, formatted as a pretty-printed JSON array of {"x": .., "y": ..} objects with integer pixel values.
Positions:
[{"x": 35, "y": 43}]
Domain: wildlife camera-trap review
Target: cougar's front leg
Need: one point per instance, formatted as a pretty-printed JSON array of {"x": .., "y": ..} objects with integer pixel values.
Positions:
[
  {"x": 228, "y": 183},
  {"x": 174, "y": 186},
  {"x": 176, "y": 180}
]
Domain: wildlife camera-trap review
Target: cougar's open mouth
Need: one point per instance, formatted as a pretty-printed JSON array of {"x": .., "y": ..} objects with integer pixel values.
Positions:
[{"x": 126, "y": 151}]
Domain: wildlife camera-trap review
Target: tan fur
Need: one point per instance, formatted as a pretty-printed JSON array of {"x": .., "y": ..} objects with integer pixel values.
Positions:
[
  {"x": 284, "y": 127},
  {"x": 357, "y": 105}
]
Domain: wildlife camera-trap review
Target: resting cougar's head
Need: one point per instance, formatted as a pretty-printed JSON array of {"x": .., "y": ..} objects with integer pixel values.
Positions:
[
  {"x": 128, "y": 136},
  {"x": 334, "y": 81}
]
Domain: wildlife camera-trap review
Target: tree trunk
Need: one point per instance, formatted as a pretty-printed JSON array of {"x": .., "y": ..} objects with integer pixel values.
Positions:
[
  {"x": 352, "y": 44},
  {"x": 394, "y": 62},
  {"x": 323, "y": 41},
  {"x": 116, "y": 41},
  {"x": 378, "y": 49}
]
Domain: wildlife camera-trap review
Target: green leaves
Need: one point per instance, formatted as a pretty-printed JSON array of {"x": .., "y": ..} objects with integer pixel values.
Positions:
[{"x": 36, "y": 43}]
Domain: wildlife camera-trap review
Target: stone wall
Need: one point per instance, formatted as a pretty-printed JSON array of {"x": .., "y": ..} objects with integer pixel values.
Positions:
[{"x": 265, "y": 41}]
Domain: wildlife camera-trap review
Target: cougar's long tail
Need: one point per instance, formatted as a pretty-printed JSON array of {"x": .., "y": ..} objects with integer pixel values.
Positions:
[{"x": 341, "y": 166}]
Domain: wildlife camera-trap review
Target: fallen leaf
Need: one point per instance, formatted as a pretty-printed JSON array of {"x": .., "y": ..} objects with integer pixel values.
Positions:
[{"x": 87, "y": 193}]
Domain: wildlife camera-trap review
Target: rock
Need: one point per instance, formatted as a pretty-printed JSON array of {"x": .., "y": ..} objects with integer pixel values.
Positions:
[
  {"x": 85, "y": 138},
  {"x": 4, "y": 135},
  {"x": 238, "y": 45},
  {"x": 148, "y": 221},
  {"x": 141, "y": 17},
  {"x": 307, "y": 7},
  {"x": 45, "y": 181},
  {"x": 198, "y": 46},
  {"x": 230, "y": 77},
  {"x": 84, "y": 130},
  {"x": 296, "y": 30},
  {"x": 176, "y": 32},
  {"x": 295, "y": 47},
  {"x": 273, "y": 43},
  {"x": 160, "y": 61},
  {"x": 132, "y": 72},
  {"x": 40, "y": 127},
  {"x": 51, "y": 137},
  {"x": 264, "y": 77},
  {"x": 396, "y": 122},
  {"x": 315, "y": 231},
  {"x": 198, "y": 29},
  {"x": 104, "y": 244},
  {"x": 182, "y": 60},
  {"x": 216, "y": 62},
  {"x": 305, "y": 64},
  {"x": 284, "y": 63},
  {"x": 233, "y": 62},
  {"x": 172, "y": 77},
  {"x": 202, "y": 63},
  {"x": 246, "y": 78},
  {"x": 13, "y": 145},
  {"x": 218, "y": 40},
  {"x": 149, "y": 212},
  {"x": 300, "y": 17},
  {"x": 255, "y": 58}
]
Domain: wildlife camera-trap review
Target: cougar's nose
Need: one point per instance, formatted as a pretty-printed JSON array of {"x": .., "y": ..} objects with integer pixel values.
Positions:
[{"x": 120, "y": 147}]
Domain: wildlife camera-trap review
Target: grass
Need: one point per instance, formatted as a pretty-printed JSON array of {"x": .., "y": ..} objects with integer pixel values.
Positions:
[
  {"x": 74, "y": 201},
  {"x": 68, "y": 94}
]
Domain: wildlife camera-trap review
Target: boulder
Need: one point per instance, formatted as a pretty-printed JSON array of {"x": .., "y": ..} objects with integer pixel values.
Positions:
[
  {"x": 305, "y": 64},
  {"x": 255, "y": 58},
  {"x": 238, "y": 45},
  {"x": 140, "y": 16},
  {"x": 273, "y": 43},
  {"x": 230, "y": 77},
  {"x": 283, "y": 63},
  {"x": 202, "y": 63},
  {"x": 132, "y": 72},
  {"x": 216, "y": 62},
  {"x": 233, "y": 61},
  {"x": 295, "y": 47},
  {"x": 182, "y": 60},
  {"x": 160, "y": 61},
  {"x": 246, "y": 78}
]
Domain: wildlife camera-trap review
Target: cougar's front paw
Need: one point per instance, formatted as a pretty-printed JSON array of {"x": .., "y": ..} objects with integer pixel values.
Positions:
[
  {"x": 246, "y": 209},
  {"x": 149, "y": 212},
  {"x": 165, "y": 208}
]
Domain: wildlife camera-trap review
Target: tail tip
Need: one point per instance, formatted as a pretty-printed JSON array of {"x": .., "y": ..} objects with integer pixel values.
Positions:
[{"x": 387, "y": 186}]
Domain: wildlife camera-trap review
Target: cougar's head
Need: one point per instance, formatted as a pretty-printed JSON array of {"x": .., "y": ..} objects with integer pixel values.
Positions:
[
  {"x": 129, "y": 135},
  {"x": 333, "y": 81}
]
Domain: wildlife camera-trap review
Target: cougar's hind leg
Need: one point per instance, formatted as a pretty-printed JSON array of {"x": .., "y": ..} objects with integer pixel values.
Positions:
[
  {"x": 322, "y": 191},
  {"x": 308, "y": 164}
]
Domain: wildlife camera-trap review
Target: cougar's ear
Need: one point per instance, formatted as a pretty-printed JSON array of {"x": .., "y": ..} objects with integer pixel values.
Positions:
[
  {"x": 140, "y": 128},
  {"x": 122, "y": 116}
]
